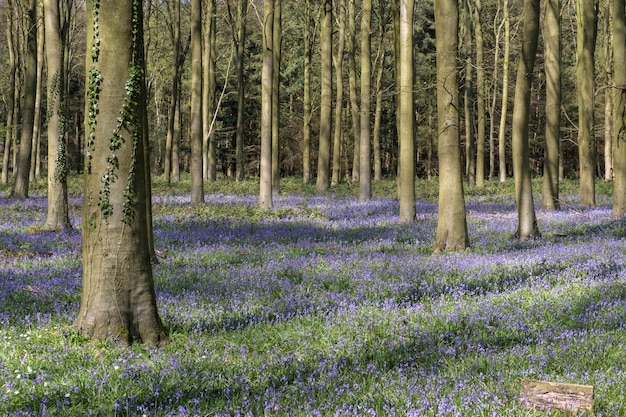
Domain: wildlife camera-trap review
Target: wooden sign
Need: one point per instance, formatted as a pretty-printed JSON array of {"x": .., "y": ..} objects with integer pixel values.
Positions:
[{"x": 545, "y": 396}]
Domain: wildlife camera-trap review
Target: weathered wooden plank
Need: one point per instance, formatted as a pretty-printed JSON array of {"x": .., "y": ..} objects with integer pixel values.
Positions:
[{"x": 546, "y": 395}]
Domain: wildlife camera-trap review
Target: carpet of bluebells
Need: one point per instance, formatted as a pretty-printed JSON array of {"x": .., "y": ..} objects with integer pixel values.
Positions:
[{"x": 322, "y": 307}]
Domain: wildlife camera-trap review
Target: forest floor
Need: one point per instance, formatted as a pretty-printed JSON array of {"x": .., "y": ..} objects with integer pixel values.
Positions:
[{"x": 324, "y": 306}]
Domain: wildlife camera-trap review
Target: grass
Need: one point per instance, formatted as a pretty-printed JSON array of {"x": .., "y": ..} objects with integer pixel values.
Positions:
[{"x": 323, "y": 306}]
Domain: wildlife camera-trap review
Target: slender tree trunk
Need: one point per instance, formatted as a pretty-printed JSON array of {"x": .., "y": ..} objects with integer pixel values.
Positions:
[
  {"x": 197, "y": 186},
  {"x": 118, "y": 301},
  {"x": 406, "y": 189},
  {"x": 338, "y": 61},
  {"x": 209, "y": 95},
  {"x": 265, "y": 194},
  {"x": 451, "y": 220},
  {"x": 20, "y": 185},
  {"x": 173, "y": 125},
  {"x": 552, "y": 42},
  {"x": 307, "y": 116},
  {"x": 365, "y": 163},
  {"x": 527, "y": 220},
  {"x": 468, "y": 102},
  {"x": 378, "y": 112},
  {"x": 494, "y": 96},
  {"x": 480, "y": 95},
  {"x": 58, "y": 207},
  {"x": 242, "y": 11},
  {"x": 12, "y": 94},
  {"x": 276, "y": 56},
  {"x": 619, "y": 108},
  {"x": 354, "y": 94},
  {"x": 323, "y": 161},
  {"x": 35, "y": 157},
  {"x": 585, "y": 51},
  {"x": 505, "y": 93},
  {"x": 608, "y": 99}
]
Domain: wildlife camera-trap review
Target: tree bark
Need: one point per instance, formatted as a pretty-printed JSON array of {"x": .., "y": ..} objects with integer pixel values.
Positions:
[
  {"x": 265, "y": 193},
  {"x": 527, "y": 220},
  {"x": 21, "y": 183},
  {"x": 242, "y": 11},
  {"x": 355, "y": 113},
  {"x": 338, "y": 61},
  {"x": 276, "y": 57},
  {"x": 197, "y": 186},
  {"x": 552, "y": 42},
  {"x": 118, "y": 302},
  {"x": 585, "y": 51},
  {"x": 58, "y": 207},
  {"x": 407, "y": 146},
  {"x": 323, "y": 158},
  {"x": 451, "y": 220},
  {"x": 35, "y": 152},
  {"x": 208, "y": 92},
  {"x": 480, "y": 95},
  {"x": 468, "y": 89},
  {"x": 365, "y": 158},
  {"x": 505, "y": 93},
  {"x": 619, "y": 107},
  {"x": 306, "y": 97},
  {"x": 12, "y": 94}
]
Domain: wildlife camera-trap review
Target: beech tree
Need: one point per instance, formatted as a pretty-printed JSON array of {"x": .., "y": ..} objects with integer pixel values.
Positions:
[
  {"x": 406, "y": 189},
  {"x": 451, "y": 220},
  {"x": 585, "y": 51},
  {"x": 55, "y": 32},
  {"x": 118, "y": 301},
  {"x": 527, "y": 219},
  {"x": 265, "y": 188},
  {"x": 619, "y": 107},
  {"x": 195, "y": 130},
  {"x": 323, "y": 157},
  {"x": 21, "y": 183},
  {"x": 12, "y": 96},
  {"x": 552, "y": 42}
]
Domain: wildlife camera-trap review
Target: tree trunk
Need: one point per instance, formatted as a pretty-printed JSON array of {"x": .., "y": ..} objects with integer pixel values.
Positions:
[
  {"x": 58, "y": 207},
  {"x": 608, "y": 96},
  {"x": 197, "y": 186},
  {"x": 306, "y": 105},
  {"x": 451, "y": 221},
  {"x": 242, "y": 11},
  {"x": 378, "y": 112},
  {"x": 407, "y": 146},
  {"x": 20, "y": 185},
  {"x": 527, "y": 220},
  {"x": 338, "y": 127},
  {"x": 276, "y": 56},
  {"x": 480, "y": 95},
  {"x": 505, "y": 93},
  {"x": 323, "y": 158},
  {"x": 265, "y": 193},
  {"x": 208, "y": 91},
  {"x": 468, "y": 102},
  {"x": 365, "y": 159},
  {"x": 585, "y": 49},
  {"x": 118, "y": 301},
  {"x": 35, "y": 152},
  {"x": 619, "y": 108},
  {"x": 552, "y": 42},
  {"x": 12, "y": 94},
  {"x": 354, "y": 94}
]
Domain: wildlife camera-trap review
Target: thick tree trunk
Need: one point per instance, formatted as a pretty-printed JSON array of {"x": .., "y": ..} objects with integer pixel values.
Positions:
[
  {"x": 323, "y": 161},
  {"x": 58, "y": 207},
  {"x": 197, "y": 186},
  {"x": 527, "y": 220},
  {"x": 365, "y": 157},
  {"x": 265, "y": 189},
  {"x": 619, "y": 108},
  {"x": 20, "y": 185},
  {"x": 451, "y": 220},
  {"x": 406, "y": 189},
  {"x": 552, "y": 42},
  {"x": 585, "y": 51},
  {"x": 118, "y": 302}
]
